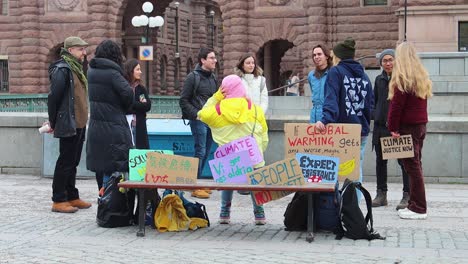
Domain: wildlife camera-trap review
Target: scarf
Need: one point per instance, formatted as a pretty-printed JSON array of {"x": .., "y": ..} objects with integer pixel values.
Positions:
[{"x": 75, "y": 66}]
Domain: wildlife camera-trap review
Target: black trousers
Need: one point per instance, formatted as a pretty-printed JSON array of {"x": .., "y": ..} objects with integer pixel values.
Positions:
[{"x": 63, "y": 185}]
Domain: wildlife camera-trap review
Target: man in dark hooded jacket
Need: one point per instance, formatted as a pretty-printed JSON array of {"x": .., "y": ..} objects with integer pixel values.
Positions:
[{"x": 199, "y": 86}]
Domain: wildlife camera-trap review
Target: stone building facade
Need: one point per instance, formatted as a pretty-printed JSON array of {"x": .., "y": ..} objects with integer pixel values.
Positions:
[{"x": 279, "y": 32}]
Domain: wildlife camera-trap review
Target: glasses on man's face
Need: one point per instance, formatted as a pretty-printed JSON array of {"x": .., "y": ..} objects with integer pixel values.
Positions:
[{"x": 387, "y": 61}]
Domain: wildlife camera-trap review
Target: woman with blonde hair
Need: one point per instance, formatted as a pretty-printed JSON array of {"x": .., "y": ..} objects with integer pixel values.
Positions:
[{"x": 409, "y": 89}]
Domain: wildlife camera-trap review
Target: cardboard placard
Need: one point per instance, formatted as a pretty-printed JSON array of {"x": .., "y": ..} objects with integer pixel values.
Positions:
[
  {"x": 317, "y": 168},
  {"x": 397, "y": 148},
  {"x": 284, "y": 172},
  {"x": 137, "y": 162},
  {"x": 245, "y": 143},
  {"x": 338, "y": 140},
  {"x": 161, "y": 168},
  {"x": 232, "y": 168}
]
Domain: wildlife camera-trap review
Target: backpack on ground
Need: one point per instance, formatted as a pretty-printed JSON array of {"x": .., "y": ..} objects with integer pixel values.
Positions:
[
  {"x": 115, "y": 208},
  {"x": 152, "y": 199},
  {"x": 295, "y": 216},
  {"x": 352, "y": 222},
  {"x": 193, "y": 209}
]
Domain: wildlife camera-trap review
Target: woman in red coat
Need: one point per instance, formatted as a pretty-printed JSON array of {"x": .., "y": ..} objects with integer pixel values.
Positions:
[{"x": 409, "y": 89}]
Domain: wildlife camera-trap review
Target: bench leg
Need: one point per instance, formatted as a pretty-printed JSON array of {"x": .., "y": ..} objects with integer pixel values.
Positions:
[
  {"x": 310, "y": 218},
  {"x": 141, "y": 212}
]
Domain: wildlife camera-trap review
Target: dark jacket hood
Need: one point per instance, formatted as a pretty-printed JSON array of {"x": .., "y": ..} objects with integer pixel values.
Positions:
[
  {"x": 205, "y": 73},
  {"x": 102, "y": 63},
  {"x": 353, "y": 66}
]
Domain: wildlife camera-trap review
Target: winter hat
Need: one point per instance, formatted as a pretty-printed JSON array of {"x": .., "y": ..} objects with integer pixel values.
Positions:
[
  {"x": 233, "y": 87},
  {"x": 382, "y": 54},
  {"x": 74, "y": 42},
  {"x": 345, "y": 50}
]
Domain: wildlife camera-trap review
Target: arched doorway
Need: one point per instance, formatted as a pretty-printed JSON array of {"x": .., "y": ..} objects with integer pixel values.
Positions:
[{"x": 269, "y": 58}]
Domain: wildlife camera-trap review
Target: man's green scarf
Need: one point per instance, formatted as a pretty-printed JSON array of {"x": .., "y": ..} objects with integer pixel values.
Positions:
[{"x": 75, "y": 66}]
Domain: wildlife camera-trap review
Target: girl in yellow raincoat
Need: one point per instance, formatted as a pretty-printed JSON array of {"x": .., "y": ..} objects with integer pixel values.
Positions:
[{"x": 230, "y": 115}]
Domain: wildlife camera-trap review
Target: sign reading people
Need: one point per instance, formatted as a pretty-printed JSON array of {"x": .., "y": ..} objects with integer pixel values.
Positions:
[
  {"x": 318, "y": 168},
  {"x": 232, "y": 168},
  {"x": 137, "y": 162},
  {"x": 245, "y": 143},
  {"x": 338, "y": 140},
  {"x": 284, "y": 172},
  {"x": 397, "y": 148},
  {"x": 161, "y": 168}
]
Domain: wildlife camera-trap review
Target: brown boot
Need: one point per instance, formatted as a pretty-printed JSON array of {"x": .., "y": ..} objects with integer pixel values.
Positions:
[
  {"x": 404, "y": 201},
  {"x": 63, "y": 207},
  {"x": 380, "y": 199},
  {"x": 80, "y": 204}
]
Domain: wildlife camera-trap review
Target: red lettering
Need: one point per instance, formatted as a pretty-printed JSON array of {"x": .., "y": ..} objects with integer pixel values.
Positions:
[
  {"x": 262, "y": 197},
  {"x": 156, "y": 178}
]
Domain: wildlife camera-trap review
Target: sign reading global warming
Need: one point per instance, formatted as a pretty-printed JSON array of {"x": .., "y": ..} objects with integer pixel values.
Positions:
[
  {"x": 245, "y": 143},
  {"x": 338, "y": 140},
  {"x": 161, "y": 168},
  {"x": 137, "y": 162},
  {"x": 397, "y": 148},
  {"x": 232, "y": 168},
  {"x": 318, "y": 168},
  {"x": 284, "y": 172}
]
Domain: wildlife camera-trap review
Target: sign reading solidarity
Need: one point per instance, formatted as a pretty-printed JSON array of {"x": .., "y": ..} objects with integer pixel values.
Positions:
[
  {"x": 318, "y": 168},
  {"x": 231, "y": 168},
  {"x": 161, "y": 168},
  {"x": 245, "y": 143},
  {"x": 284, "y": 172},
  {"x": 137, "y": 162},
  {"x": 146, "y": 53},
  {"x": 397, "y": 148},
  {"x": 338, "y": 140}
]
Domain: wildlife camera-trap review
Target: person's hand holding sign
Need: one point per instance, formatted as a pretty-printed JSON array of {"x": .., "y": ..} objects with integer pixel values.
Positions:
[
  {"x": 395, "y": 134},
  {"x": 320, "y": 126}
]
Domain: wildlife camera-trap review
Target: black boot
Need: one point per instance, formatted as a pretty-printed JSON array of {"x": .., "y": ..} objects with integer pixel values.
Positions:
[
  {"x": 380, "y": 199},
  {"x": 404, "y": 201}
]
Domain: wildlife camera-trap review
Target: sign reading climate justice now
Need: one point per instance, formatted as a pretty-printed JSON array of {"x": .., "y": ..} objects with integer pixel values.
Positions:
[
  {"x": 137, "y": 162},
  {"x": 161, "y": 168},
  {"x": 231, "y": 168},
  {"x": 338, "y": 140},
  {"x": 284, "y": 172},
  {"x": 244, "y": 143},
  {"x": 318, "y": 168},
  {"x": 397, "y": 148}
]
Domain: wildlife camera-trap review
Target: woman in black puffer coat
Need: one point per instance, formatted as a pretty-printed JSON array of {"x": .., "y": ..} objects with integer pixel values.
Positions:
[{"x": 110, "y": 96}]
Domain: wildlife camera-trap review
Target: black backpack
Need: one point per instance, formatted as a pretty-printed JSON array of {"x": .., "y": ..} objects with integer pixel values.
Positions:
[
  {"x": 115, "y": 208},
  {"x": 352, "y": 222},
  {"x": 295, "y": 216}
]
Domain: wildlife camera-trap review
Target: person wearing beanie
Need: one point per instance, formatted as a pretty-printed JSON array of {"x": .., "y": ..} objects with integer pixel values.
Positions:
[
  {"x": 348, "y": 94},
  {"x": 386, "y": 58},
  {"x": 230, "y": 116}
]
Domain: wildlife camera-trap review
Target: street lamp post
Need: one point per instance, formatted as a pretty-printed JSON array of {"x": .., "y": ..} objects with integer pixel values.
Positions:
[
  {"x": 147, "y": 22},
  {"x": 212, "y": 14},
  {"x": 176, "y": 4}
]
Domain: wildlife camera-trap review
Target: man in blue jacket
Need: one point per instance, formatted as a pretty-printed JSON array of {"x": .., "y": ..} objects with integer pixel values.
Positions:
[{"x": 348, "y": 93}]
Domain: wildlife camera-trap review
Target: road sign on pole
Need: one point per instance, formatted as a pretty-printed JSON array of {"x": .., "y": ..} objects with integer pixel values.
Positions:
[{"x": 146, "y": 53}]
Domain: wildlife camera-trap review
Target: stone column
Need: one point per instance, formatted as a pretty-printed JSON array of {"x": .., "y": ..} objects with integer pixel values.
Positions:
[{"x": 268, "y": 63}]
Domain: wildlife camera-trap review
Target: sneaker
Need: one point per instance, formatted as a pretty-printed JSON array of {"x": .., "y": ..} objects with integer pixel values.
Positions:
[
  {"x": 63, "y": 207},
  {"x": 80, "y": 204},
  {"x": 408, "y": 214},
  {"x": 208, "y": 191},
  {"x": 224, "y": 218},
  {"x": 243, "y": 192},
  {"x": 200, "y": 194},
  {"x": 260, "y": 221}
]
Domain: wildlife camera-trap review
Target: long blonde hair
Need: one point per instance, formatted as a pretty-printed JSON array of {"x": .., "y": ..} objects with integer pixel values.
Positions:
[{"x": 409, "y": 75}]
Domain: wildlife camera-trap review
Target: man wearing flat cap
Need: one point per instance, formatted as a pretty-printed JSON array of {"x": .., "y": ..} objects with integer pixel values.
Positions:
[
  {"x": 68, "y": 113},
  {"x": 348, "y": 93}
]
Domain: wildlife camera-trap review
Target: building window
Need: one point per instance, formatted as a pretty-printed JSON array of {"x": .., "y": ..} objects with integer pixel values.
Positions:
[
  {"x": 463, "y": 36},
  {"x": 374, "y": 2},
  {"x": 162, "y": 73},
  {"x": 189, "y": 31},
  {"x": 4, "y": 7},
  {"x": 4, "y": 75}
]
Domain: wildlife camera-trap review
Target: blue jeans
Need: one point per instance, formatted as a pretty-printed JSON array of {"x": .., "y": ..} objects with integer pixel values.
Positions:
[
  {"x": 226, "y": 200},
  {"x": 203, "y": 142},
  {"x": 363, "y": 150}
]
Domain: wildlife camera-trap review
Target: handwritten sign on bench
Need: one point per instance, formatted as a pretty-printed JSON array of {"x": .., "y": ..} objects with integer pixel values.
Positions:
[
  {"x": 245, "y": 143},
  {"x": 397, "y": 148},
  {"x": 232, "y": 168},
  {"x": 137, "y": 162},
  {"x": 338, "y": 140},
  {"x": 318, "y": 168},
  {"x": 161, "y": 168},
  {"x": 284, "y": 172}
]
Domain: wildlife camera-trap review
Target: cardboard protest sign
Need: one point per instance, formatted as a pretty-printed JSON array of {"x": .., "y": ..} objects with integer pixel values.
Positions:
[
  {"x": 161, "y": 168},
  {"x": 232, "y": 168},
  {"x": 397, "y": 148},
  {"x": 245, "y": 143},
  {"x": 338, "y": 140},
  {"x": 284, "y": 172},
  {"x": 137, "y": 162},
  {"x": 318, "y": 168}
]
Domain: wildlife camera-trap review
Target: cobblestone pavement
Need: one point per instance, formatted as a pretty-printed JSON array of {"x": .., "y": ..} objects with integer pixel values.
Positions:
[{"x": 31, "y": 233}]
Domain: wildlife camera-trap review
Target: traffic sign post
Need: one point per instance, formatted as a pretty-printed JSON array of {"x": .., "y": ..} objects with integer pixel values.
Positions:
[{"x": 146, "y": 53}]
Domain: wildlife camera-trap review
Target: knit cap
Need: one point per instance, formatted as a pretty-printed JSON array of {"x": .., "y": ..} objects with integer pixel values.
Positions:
[
  {"x": 382, "y": 54},
  {"x": 345, "y": 50},
  {"x": 233, "y": 87}
]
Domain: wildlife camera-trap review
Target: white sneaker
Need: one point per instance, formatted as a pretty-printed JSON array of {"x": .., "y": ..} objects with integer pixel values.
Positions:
[{"x": 408, "y": 214}]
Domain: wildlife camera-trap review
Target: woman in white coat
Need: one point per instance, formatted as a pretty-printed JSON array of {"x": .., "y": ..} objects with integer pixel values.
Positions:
[{"x": 255, "y": 84}]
